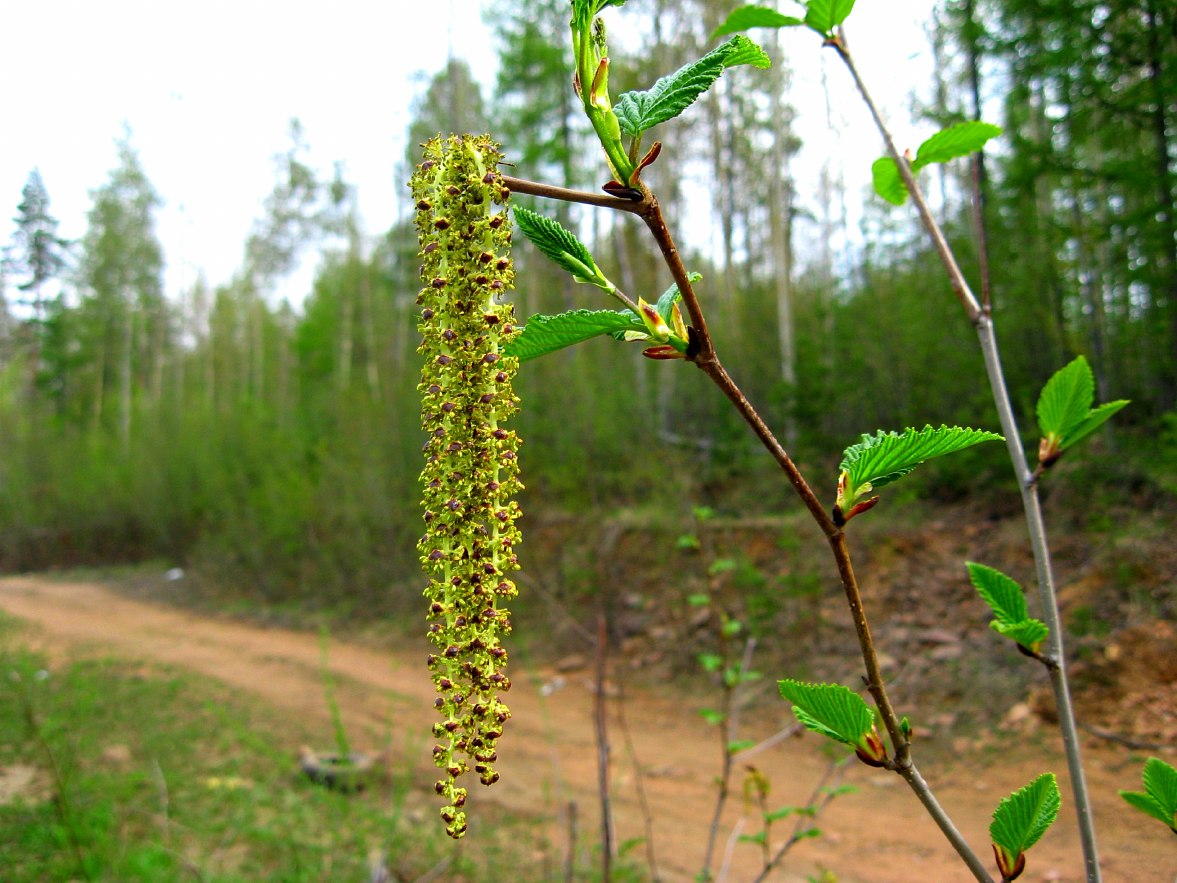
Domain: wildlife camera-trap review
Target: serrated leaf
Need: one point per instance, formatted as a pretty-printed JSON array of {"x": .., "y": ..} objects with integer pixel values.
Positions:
[
  {"x": 955, "y": 141},
  {"x": 561, "y": 246},
  {"x": 755, "y": 17},
  {"x": 1147, "y": 805},
  {"x": 887, "y": 183},
  {"x": 885, "y": 457},
  {"x": 830, "y": 709},
  {"x": 1066, "y": 399},
  {"x": 1160, "y": 801},
  {"x": 674, "y": 93},
  {"x": 546, "y": 334},
  {"x": 1160, "y": 781},
  {"x": 1095, "y": 419},
  {"x": 1002, "y": 593},
  {"x": 671, "y": 296},
  {"x": 1030, "y": 633},
  {"x": 1021, "y": 819},
  {"x": 825, "y": 15}
]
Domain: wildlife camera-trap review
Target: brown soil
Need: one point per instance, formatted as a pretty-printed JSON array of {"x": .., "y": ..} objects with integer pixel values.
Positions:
[{"x": 548, "y": 758}]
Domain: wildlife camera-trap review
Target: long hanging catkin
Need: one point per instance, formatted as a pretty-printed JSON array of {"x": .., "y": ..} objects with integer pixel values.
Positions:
[{"x": 471, "y": 466}]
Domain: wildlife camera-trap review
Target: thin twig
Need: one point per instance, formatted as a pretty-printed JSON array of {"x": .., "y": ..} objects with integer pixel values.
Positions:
[
  {"x": 639, "y": 782},
  {"x": 825, "y": 784},
  {"x": 601, "y": 726},
  {"x": 551, "y": 191}
]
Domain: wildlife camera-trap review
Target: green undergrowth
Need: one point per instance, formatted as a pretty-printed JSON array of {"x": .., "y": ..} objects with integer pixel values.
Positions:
[{"x": 114, "y": 770}]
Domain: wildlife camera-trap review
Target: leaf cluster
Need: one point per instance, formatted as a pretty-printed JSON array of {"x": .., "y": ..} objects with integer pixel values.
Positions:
[
  {"x": 1005, "y": 598},
  {"x": 1159, "y": 798},
  {"x": 1065, "y": 410}
]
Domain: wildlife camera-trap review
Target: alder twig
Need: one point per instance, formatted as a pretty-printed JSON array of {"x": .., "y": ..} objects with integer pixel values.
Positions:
[
  {"x": 1055, "y": 659},
  {"x": 702, "y": 353}
]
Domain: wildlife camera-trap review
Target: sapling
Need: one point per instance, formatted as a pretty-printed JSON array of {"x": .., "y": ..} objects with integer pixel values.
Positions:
[{"x": 468, "y": 336}]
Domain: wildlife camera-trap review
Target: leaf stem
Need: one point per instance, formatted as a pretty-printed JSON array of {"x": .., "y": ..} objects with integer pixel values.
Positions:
[{"x": 982, "y": 321}]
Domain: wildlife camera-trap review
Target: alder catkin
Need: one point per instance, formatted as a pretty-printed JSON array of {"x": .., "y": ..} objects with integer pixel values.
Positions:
[{"x": 471, "y": 469}]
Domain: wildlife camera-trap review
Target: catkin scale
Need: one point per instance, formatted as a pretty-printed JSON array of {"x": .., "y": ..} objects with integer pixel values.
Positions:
[{"x": 471, "y": 471}]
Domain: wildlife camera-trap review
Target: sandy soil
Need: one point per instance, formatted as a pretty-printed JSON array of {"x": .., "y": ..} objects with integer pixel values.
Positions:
[{"x": 548, "y": 756}]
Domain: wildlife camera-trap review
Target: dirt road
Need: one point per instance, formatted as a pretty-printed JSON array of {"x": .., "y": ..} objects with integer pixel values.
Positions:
[{"x": 548, "y": 756}]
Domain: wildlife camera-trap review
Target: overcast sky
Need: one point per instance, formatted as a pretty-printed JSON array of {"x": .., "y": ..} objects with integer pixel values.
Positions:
[{"x": 207, "y": 91}]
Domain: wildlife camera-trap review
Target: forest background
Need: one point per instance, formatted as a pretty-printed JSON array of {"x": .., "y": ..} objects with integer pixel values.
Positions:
[{"x": 272, "y": 447}]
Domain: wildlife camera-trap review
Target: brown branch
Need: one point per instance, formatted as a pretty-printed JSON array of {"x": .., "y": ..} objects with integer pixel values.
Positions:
[{"x": 564, "y": 194}]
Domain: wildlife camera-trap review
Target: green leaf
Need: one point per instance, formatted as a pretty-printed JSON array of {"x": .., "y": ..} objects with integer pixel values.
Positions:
[
  {"x": 1148, "y": 806},
  {"x": 1160, "y": 781},
  {"x": 1094, "y": 419},
  {"x": 1030, "y": 633},
  {"x": 722, "y": 565},
  {"x": 758, "y": 837},
  {"x": 674, "y": 93},
  {"x": 1023, "y": 817},
  {"x": 1160, "y": 801},
  {"x": 671, "y": 296},
  {"x": 885, "y": 177},
  {"x": 825, "y": 15},
  {"x": 735, "y": 747},
  {"x": 1065, "y": 414},
  {"x": 885, "y": 457},
  {"x": 710, "y": 661},
  {"x": 562, "y": 247},
  {"x": 754, "y": 17},
  {"x": 830, "y": 709},
  {"x": 712, "y": 716},
  {"x": 699, "y": 600},
  {"x": 955, "y": 141},
  {"x": 947, "y": 144},
  {"x": 1066, "y": 399},
  {"x": 546, "y": 334},
  {"x": 688, "y": 541},
  {"x": 1002, "y": 593}
]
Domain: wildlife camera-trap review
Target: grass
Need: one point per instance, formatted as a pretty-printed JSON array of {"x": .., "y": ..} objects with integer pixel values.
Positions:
[{"x": 132, "y": 772}]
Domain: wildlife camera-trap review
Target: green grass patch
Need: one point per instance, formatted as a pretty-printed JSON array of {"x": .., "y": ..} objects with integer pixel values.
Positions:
[{"x": 114, "y": 770}]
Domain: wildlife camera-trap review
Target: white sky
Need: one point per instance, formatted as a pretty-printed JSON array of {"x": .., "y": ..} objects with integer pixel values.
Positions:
[{"x": 208, "y": 89}]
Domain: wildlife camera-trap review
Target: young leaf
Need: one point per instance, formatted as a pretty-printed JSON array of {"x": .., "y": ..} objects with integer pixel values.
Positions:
[
  {"x": 1065, "y": 415},
  {"x": 947, "y": 144},
  {"x": 1002, "y": 593},
  {"x": 825, "y": 15},
  {"x": 755, "y": 17},
  {"x": 546, "y": 334},
  {"x": 1021, "y": 819},
  {"x": 1095, "y": 419},
  {"x": 830, "y": 709},
  {"x": 888, "y": 456},
  {"x": 1066, "y": 399},
  {"x": 955, "y": 141},
  {"x": 562, "y": 247},
  {"x": 1029, "y": 633},
  {"x": 885, "y": 177},
  {"x": 1159, "y": 799},
  {"x": 674, "y": 93}
]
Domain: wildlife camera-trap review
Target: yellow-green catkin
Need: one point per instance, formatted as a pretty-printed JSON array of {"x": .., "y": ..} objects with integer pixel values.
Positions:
[{"x": 471, "y": 469}]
